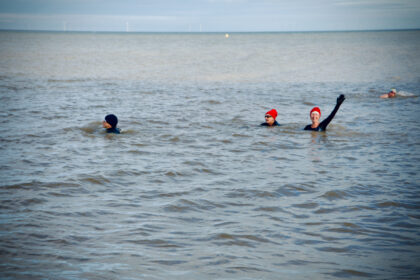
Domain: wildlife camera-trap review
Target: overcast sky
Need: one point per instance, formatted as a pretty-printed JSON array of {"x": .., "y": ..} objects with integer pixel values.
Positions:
[{"x": 209, "y": 15}]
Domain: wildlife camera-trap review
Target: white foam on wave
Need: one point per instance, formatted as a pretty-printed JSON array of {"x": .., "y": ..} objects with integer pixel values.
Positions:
[{"x": 406, "y": 94}]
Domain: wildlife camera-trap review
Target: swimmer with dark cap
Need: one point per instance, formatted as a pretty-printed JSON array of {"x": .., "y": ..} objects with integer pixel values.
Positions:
[
  {"x": 390, "y": 94},
  {"x": 110, "y": 123},
  {"x": 270, "y": 118},
  {"x": 315, "y": 114}
]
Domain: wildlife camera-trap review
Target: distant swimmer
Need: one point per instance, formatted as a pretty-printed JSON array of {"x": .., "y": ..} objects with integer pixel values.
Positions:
[
  {"x": 315, "y": 114},
  {"x": 391, "y": 94},
  {"x": 270, "y": 118},
  {"x": 110, "y": 123}
]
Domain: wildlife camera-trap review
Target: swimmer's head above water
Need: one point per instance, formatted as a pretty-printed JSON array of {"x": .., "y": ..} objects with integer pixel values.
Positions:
[
  {"x": 315, "y": 114},
  {"x": 270, "y": 117},
  {"x": 392, "y": 93},
  {"x": 110, "y": 121}
]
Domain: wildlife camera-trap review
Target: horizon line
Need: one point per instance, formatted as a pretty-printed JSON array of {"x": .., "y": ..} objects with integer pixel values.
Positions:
[{"x": 204, "y": 32}]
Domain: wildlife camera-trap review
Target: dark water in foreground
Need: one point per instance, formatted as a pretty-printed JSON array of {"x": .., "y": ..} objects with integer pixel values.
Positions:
[{"x": 193, "y": 187}]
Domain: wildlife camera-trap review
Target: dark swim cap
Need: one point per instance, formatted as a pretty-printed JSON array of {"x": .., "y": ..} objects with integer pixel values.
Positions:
[{"x": 112, "y": 120}]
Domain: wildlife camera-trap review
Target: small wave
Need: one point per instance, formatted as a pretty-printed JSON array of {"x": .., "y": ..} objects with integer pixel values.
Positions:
[
  {"x": 260, "y": 144},
  {"x": 307, "y": 242},
  {"x": 33, "y": 201},
  {"x": 218, "y": 263},
  {"x": 173, "y": 194},
  {"x": 295, "y": 190},
  {"x": 7, "y": 204},
  {"x": 270, "y": 209},
  {"x": 67, "y": 258},
  {"x": 314, "y": 224},
  {"x": 326, "y": 210},
  {"x": 79, "y": 238},
  {"x": 233, "y": 269},
  {"x": 140, "y": 144},
  {"x": 354, "y": 229},
  {"x": 310, "y": 205},
  {"x": 96, "y": 106},
  {"x": 128, "y": 131},
  {"x": 109, "y": 84},
  {"x": 334, "y": 249},
  {"x": 224, "y": 224},
  {"x": 57, "y": 194},
  {"x": 167, "y": 262},
  {"x": 404, "y": 225},
  {"x": 174, "y": 139},
  {"x": 9, "y": 88},
  {"x": 54, "y": 117},
  {"x": 334, "y": 195},
  {"x": 38, "y": 235},
  {"x": 387, "y": 204},
  {"x": 238, "y": 240},
  {"x": 37, "y": 184},
  {"x": 162, "y": 123},
  {"x": 308, "y": 103},
  {"x": 81, "y": 214},
  {"x": 251, "y": 194},
  {"x": 130, "y": 173},
  {"x": 346, "y": 273},
  {"x": 193, "y": 163},
  {"x": 406, "y": 94},
  {"x": 68, "y": 81},
  {"x": 61, "y": 242},
  {"x": 137, "y": 152},
  {"x": 212, "y": 102},
  {"x": 178, "y": 208},
  {"x": 241, "y": 135},
  {"x": 207, "y": 171},
  {"x": 98, "y": 180},
  {"x": 185, "y": 205},
  {"x": 174, "y": 174},
  {"x": 88, "y": 129},
  {"x": 159, "y": 243}
]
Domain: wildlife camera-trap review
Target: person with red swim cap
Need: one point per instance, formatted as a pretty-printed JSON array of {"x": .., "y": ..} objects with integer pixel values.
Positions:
[
  {"x": 391, "y": 94},
  {"x": 315, "y": 115},
  {"x": 270, "y": 118}
]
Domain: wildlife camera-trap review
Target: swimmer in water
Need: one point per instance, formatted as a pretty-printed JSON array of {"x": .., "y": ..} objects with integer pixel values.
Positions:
[
  {"x": 391, "y": 94},
  {"x": 110, "y": 123},
  {"x": 270, "y": 118},
  {"x": 315, "y": 114}
]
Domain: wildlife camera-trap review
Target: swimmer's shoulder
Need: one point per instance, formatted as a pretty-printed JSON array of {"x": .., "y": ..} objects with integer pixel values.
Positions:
[
  {"x": 308, "y": 127},
  {"x": 113, "y": 130}
]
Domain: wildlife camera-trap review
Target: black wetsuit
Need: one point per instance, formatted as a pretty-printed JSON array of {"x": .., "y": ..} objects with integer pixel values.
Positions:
[
  {"x": 323, "y": 125},
  {"x": 274, "y": 124},
  {"x": 113, "y": 130}
]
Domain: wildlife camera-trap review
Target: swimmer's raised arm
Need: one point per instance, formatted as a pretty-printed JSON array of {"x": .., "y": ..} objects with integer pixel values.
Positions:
[
  {"x": 323, "y": 125},
  {"x": 315, "y": 114}
]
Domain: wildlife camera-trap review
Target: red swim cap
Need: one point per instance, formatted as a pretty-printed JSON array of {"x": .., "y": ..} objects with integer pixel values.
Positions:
[
  {"x": 272, "y": 113},
  {"x": 315, "y": 109}
]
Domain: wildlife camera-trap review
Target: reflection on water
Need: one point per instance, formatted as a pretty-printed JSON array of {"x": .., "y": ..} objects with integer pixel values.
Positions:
[{"x": 194, "y": 187}]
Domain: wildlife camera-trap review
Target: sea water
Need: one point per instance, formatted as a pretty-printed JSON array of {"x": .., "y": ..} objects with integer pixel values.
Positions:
[{"x": 194, "y": 188}]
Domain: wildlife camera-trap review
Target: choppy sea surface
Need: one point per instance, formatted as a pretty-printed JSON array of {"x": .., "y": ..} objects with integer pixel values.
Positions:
[{"x": 194, "y": 188}]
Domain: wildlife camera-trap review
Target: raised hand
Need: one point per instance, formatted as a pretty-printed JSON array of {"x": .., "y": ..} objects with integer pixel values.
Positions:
[{"x": 341, "y": 99}]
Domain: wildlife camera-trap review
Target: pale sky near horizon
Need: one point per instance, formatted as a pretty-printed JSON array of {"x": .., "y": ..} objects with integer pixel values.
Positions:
[{"x": 209, "y": 15}]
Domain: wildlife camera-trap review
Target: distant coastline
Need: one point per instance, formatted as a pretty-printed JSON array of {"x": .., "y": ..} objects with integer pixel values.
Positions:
[{"x": 206, "y": 32}]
